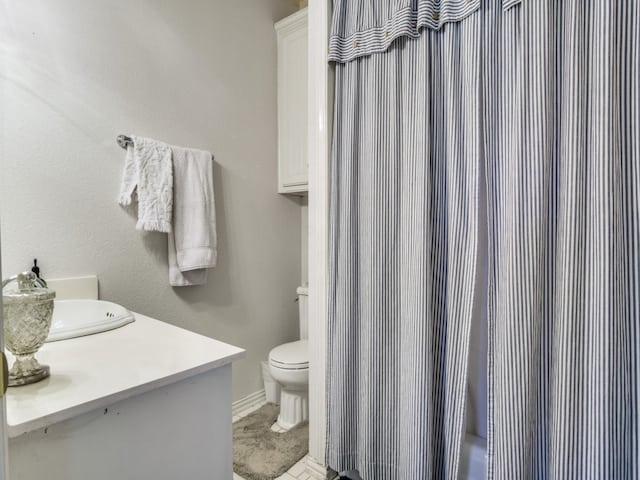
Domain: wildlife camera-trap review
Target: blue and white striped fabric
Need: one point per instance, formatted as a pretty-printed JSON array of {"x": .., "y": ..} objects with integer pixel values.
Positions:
[
  {"x": 546, "y": 97},
  {"x": 364, "y": 27},
  {"x": 562, "y": 120},
  {"x": 406, "y": 178}
]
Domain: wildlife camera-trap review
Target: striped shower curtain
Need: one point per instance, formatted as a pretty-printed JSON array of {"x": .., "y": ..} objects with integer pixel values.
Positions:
[
  {"x": 535, "y": 106},
  {"x": 564, "y": 212}
]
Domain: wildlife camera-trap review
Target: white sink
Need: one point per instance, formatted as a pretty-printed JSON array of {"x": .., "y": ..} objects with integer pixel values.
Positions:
[{"x": 76, "y": 318}]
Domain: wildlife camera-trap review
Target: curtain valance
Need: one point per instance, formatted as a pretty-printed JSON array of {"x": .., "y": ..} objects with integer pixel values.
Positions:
[{"x": 363, "y": 27}]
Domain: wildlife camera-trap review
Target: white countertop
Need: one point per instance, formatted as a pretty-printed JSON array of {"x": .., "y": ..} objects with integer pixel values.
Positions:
[{"x": 98, "y": 370}]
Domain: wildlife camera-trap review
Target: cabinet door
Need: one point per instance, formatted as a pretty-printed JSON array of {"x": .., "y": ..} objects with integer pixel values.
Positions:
[{"x": 292, "y": 103}]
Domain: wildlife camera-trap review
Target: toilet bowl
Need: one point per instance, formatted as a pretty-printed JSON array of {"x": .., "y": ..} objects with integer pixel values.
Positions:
[{"x": 289, "y": 366}]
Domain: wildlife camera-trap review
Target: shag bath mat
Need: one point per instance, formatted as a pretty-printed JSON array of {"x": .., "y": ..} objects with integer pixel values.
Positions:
[{"x": 261, "y": 454}]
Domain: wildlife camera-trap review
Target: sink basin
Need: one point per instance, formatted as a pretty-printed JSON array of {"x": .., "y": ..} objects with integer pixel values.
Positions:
[{"x": 76, "y": 318}]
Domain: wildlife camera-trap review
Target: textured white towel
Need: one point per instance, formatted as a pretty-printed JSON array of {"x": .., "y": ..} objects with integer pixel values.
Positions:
[
  {"x": 193, "y": 241},
  {"x": 129, "y": 178},
  {"x": 148, "y": 171}
]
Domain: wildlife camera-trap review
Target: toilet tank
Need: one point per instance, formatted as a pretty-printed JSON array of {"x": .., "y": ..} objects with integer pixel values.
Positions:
[{"x": 303, "y": 311}]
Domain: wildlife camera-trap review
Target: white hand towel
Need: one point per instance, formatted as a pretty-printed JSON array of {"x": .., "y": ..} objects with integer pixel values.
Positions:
[
  {"x": 148, "y": 171},
  {"x": 129, "y": 178},
  {"x": 192, "y": 241}
]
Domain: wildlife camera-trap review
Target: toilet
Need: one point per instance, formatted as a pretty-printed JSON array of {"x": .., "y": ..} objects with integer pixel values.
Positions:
[{"x": 289, "y": 366}]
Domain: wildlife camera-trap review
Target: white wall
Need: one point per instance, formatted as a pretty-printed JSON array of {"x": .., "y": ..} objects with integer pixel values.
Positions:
[{"x": 73, "y": 75}]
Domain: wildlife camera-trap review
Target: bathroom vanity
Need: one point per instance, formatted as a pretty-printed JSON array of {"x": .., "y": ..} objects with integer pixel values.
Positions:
[{"x": 145, "y": 401}]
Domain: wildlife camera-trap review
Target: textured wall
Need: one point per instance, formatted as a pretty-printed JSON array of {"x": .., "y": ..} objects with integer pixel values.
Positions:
[{"x": 73, "y": 75}]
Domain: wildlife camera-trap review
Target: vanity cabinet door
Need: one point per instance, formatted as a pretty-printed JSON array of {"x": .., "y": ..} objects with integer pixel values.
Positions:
[{"x": 292, "y": 103}]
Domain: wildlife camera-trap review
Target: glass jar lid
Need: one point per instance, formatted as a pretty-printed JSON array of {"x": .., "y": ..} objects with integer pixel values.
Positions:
[{"x": 29, "y": 290}]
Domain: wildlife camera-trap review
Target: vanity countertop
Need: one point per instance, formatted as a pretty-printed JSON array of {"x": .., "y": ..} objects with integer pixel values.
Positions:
[{"x": 95, "y": 371}]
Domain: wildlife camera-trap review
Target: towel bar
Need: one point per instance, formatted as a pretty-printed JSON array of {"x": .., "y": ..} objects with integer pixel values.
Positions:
[{"x": 124, "y": 141}]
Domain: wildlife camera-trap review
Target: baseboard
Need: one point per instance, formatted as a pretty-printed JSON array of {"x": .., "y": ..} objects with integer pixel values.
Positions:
[
  {"x": 316, "y": 470},
  {"x": 241, "y": 407}
]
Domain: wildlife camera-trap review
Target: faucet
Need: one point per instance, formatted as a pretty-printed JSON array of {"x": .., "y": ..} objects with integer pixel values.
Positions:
[{"x": 26, "y": 281}]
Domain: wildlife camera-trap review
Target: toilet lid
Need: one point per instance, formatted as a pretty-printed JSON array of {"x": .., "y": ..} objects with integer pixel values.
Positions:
[{"x": 294, "y": 355}]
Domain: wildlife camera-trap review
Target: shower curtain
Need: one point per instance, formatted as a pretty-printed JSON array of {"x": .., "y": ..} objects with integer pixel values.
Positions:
[
  {"x": 536, "y": 105},
  {"x": 406, "y": 179},
  {"x": 564, "y": 211}
]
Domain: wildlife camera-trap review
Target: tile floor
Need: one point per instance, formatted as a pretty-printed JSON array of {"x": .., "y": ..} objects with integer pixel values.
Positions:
[{"x": 297, "y": 472}]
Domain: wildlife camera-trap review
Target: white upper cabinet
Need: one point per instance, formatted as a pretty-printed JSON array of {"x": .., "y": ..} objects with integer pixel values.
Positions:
[{"x": 292, "y": 103}]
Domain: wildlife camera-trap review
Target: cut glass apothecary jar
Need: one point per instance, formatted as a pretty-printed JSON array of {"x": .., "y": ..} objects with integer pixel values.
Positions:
[{"x": 27, "y": 312}]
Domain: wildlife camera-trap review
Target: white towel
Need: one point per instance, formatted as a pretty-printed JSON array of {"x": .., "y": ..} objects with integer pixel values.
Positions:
[
  {"x": 148, "y": 171},
  {"x": 192, "y": 241},
  {"x": 129, "y": 178}
]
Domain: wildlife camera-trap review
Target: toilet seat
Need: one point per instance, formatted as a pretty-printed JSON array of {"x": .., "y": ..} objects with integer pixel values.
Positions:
[{"x": 291, "y": 356}]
